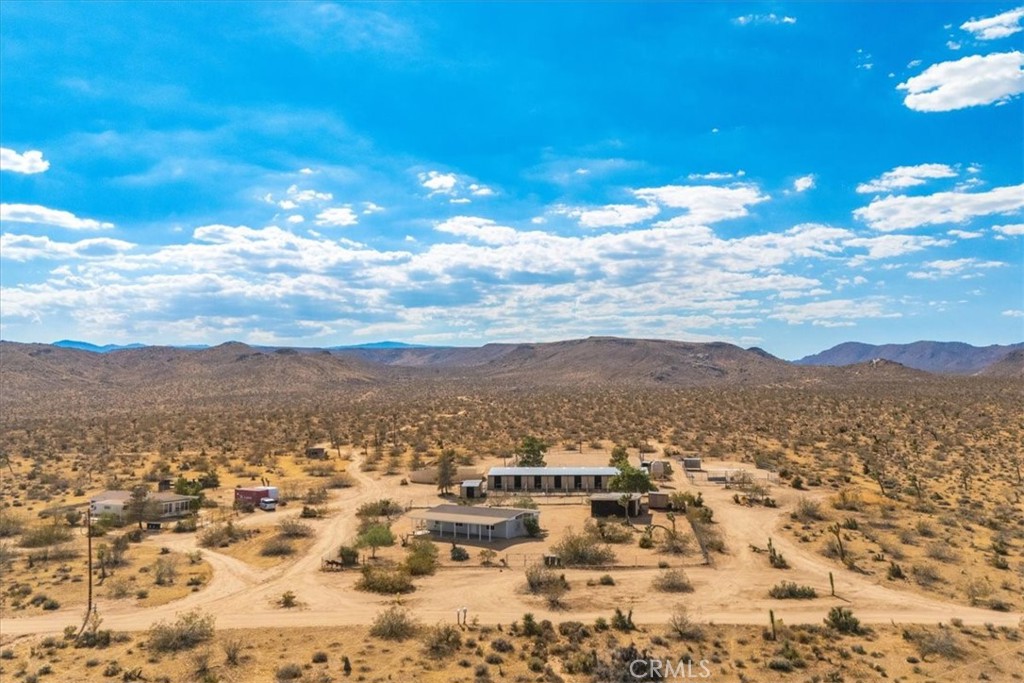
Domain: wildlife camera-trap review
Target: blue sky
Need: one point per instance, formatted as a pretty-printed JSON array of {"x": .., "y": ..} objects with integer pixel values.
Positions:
[{"x": 785, "y": 175}]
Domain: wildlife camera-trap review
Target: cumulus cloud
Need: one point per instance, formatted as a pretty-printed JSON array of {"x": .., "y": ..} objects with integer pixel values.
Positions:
[
  {"x": 28, "y": 162},
  {"x": 963, "y": 267},
  {"x": 33, "y": 213},
  {"x": 438, "y": 183},
  {"x": 804, "y": 183},
  {"x": 453, "y": 186},
  {"x": 833, "y": 312},
  {"x": 1013, "y": 230},
  {"x": 1000, "y": 26},
  {"x": 704, "y": 204},
  {"x": 903, "y": 177},
  {"x": 337, "y": 217},
  {"x": 29, "y": 247},
  {"x": 968, "y": 82},
  {"x": 614, "y": 215},
  {"x": 1013, "y": 313},
  {"x": 714, "y": 175},
  {"x": 889, "y": 246},
  {"x": 900, "y": 211}
]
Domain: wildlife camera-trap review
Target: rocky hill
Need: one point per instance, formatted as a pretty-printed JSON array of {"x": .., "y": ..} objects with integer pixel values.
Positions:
[{"x": 939, "y": 357}]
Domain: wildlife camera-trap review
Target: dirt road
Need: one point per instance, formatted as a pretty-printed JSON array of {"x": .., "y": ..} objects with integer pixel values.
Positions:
[{"x": 734, "y": 591}]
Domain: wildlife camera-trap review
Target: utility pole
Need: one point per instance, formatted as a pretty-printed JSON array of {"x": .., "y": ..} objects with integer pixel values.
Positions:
[{"x": 88, "y": 540}]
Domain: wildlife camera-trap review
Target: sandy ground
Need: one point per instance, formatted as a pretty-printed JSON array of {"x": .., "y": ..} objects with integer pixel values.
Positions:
[{"x": 733, "y": 591}]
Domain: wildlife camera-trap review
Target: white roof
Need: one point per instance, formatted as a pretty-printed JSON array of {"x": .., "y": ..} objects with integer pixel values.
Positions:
[
  {"x": 553, "y": 471},
  {"x": 472, "y": 482},
  {"x": 468, "y": 514}
]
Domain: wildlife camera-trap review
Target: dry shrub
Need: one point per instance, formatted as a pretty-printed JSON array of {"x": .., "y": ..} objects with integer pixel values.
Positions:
[
  {"x": 394, "y": 623},
  {"x": 186, "y": 632},
  {"x": 672, "y": 581}
]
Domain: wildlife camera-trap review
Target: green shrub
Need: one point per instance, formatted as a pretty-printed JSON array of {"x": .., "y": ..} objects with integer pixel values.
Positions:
[
  {"x": 842, "y": 620},
  {"x": 45, "y": 535},
  {"x": 348, "y": 555},
  {"x": 672, "y": 581},
  {"x": 442, "y": 640},
  {"x": 422, "y": 558},
  {"x": 394, "y": 623},
  {"x": 459, "y": 554},
  {"x": 789, "y": 590},
  {"x": 277, "y": 547},
  {"x": 386, "y": 581},
  {"x": 292, "y": 528},
  {"x": 583, "y": 550},
  {"x": 189, "y": 630},
  {"x": 288, "y": 672}
]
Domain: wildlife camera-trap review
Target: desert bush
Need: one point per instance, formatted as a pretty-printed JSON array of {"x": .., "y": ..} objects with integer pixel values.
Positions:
[
  {"x": 319, "y": 657},
  {"x": 842, "y": 620},
  {"x": 384, "y": 507},
  {"x": 189, "y": 630},
  {"x": 583, "y": 550},
  {"x": 277, "y": 547},
  {"x": 925, "y": 574},
  {"x": 165, "y": 570},
  {"x": 684, "y": 627},
  {"x": 310, "y": 512},
  {"x": 808, "y": 510},
  {"x": 340, "y": 481},
  {"x": 672, "y": 581},
  {"x": 441, "y": 641},
  {"x": 487, "y": 556},
  {"x": 942, "y": 642},
  {"x": 422, "y": 557},
  {"x": 45, "y": 535},
  {"x": 539, "y": 578},
  {"x": 10, "y": 524},
  {"x": 288, "y": 672},
  {"x": 119, "y": 587},
  {"x": 348, "y": 555},
  {"x": 459, "y": 554},
  {"x": 502, "y": 645},
  {"x": 291, "y": 528},
  {"x": 385, "y": 580},
  {"x": 608, "y": 532},
  {"x": 606, "y": 580},
  {"x": 940, "y": 551},
  {"x": 789, "y": 590},
  {"x": 232, "y": 650},
  {"x": 288, "y": 600},
  {"x": 221, "y": 535},
  {"x": 394, "y": 623},
  {"x": 316, "y": 495},
  {"x": 187, "y": 525},
  {"x": 848, "y": 499}
]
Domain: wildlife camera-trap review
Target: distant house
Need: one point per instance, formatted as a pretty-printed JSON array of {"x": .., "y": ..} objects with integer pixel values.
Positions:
[
  {"x": 316, "y": 453},
  {"x": 169, "y": 504},
  {"x": 550, "y": 479},
  {"x": 610, "y": 505},
  {"x": 474, "y": 523},
  {"x": 472, "y": 488}
]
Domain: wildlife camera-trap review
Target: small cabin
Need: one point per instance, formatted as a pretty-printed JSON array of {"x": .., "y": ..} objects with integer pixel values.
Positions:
[
  {"x": 316, "y": 453},
  {"x": 610, "y": 505},
  {"x": 659, "y": 500},
  {"x": 691, "y": 464},
  {"x": 472, "y": 488}
]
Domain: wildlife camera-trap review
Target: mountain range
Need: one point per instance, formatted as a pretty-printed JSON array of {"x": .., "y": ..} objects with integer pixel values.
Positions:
[{"x": 955, "y": 358}]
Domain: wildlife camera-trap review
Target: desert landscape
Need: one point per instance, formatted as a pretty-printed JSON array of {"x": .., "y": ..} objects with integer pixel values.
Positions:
[{"x": 842, "y": 523}]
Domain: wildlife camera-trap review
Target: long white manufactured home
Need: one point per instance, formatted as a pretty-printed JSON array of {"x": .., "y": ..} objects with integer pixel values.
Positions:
[
  {"x": 473, "y": 523},
  {"x": 550, "y": 479}
]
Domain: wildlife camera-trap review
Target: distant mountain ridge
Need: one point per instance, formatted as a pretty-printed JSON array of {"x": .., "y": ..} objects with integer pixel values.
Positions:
[{"x": 956, "y": 358}]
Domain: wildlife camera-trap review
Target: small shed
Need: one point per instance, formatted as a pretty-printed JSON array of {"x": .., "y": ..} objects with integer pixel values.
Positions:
[
  {"x": 316, "y": 453},
  {"x": 609, "y": 505},
  {"x": 165, "y": 485},
  {"x": 691, "y": 464},
  {"x": 659, "y": 500},
  {"x": 472, "y": 488}
]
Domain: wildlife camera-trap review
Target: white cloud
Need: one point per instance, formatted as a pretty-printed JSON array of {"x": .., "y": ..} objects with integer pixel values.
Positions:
[
  {"x": 460, "y": 200},
  {"x": 480, "y": 190},
  {"x": 438, "y": 183},
  {"x": 770, "y": 18},
  {"x": 953, "y": 45},
  {"x": 964, "y": 267},
  {"x": 308, "y": 195},
  {"x": 967, "y": 82},
  {"x": 370, "y": 208},
  {"x": 804, "y": 183},
  {"x": 296, "y": 218},
  {"x": 900, "y": 211},
  {"x": 28, "y": 247},
  {"x": 833, "y": 312},
  {"x": 889, "y": 246},
  {"x": 716, "y": 176},
  {"x": 906, "y": 176},
  {"x": 614, "y": 215},
  {"x": 1013, "y": 313},
  {"x": 1014, "y": 229},
  {"x": 965, "y": 234},
  {"x": 337, "y": 217},
  {"x": 33, "y": 213},
  {"x": 306, "y": 171},
  {"x": 482, "y": 229},
  {"x": 287, "y": 204},
  {"x": 704, "y": 203},
  {"x": 1000, "y": 26},
  {"x": 28, "y": 162}
]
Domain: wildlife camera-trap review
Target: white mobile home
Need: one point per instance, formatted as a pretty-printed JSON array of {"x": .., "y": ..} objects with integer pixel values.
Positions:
[{"x": 473, "y": 523}]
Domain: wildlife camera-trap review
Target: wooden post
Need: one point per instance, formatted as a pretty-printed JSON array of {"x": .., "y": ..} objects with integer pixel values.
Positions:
[
  {"x": 832, "y": 583},
  {"x": 771, "y": 615}
]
